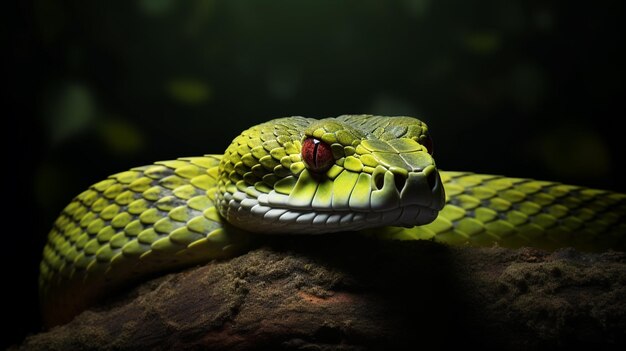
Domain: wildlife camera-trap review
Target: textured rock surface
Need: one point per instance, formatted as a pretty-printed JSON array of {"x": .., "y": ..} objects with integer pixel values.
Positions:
[{"x": 329, "y": 293}]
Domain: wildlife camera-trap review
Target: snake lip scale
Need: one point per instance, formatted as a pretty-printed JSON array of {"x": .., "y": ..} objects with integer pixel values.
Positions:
[{"x": 296, "y": 175}]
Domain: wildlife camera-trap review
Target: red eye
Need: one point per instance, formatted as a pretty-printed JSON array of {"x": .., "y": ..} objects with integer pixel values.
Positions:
[
  {"x": 317, "y": 155},
  {"x": 427, "y": 141}
]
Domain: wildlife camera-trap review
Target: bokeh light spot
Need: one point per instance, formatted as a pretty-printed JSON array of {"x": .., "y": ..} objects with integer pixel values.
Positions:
[
  {"x": 482, "y": 42},
  {"x": 574, "y": 152},
  {"x": 120, "y": 136},
  {"x": 155, "y": 7},
  {"x": 189, "y": 91},
  {"x": 69, "y": 111}
]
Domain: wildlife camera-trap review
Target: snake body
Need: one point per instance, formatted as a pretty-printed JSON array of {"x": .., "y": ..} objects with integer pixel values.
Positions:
[{"x": 300, "y": 175}]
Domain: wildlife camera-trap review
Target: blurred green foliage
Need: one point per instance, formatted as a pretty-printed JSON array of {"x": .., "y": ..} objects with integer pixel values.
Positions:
[
  {"x": 189, "y": 91},
  {"x": 69, "y": 112},
  {"x": 121, "y": 137},
  {"x": 184, "y": 78}
]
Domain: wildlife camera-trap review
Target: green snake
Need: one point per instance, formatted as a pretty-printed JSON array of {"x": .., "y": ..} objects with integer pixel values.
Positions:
[{"x": 301, "y": 175}]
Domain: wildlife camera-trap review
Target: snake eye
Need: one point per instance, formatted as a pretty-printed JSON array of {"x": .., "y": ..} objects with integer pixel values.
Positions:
[
  {"x": 317, "y": 155},
  {"x": 427, "y": 141}
]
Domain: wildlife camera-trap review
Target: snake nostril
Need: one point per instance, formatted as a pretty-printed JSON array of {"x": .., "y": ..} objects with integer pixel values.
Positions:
[
  {"x": 431, "y": 178},
  {"x": 400, "y": 181},
  {"x": 379, "y": 180}
]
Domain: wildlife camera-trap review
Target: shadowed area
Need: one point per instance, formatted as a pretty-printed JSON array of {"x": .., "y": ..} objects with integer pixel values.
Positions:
[{"x": 338, "y": 293}]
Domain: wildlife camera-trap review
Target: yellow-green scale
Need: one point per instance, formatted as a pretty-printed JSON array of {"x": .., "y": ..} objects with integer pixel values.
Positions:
[
  {"x": 145, "y": 220},
  {"x": 486, "y": 210}
]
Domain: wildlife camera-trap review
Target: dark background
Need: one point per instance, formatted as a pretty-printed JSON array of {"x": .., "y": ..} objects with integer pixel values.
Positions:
[{"x": 521, "y": 88}]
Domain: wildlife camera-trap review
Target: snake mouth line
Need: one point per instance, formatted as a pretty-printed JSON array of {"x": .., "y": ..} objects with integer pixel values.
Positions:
[{"x": 268, "y": 220}]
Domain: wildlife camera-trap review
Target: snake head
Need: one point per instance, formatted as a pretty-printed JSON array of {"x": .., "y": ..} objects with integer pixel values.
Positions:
[{"x": 301, "y": 175}]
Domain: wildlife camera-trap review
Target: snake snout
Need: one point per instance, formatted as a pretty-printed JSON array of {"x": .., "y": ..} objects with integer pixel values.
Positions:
[{"x": 423, "y": 188}]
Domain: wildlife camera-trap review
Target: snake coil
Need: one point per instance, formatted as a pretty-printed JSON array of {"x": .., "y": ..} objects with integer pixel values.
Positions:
[{"x": 300, "y": 175}]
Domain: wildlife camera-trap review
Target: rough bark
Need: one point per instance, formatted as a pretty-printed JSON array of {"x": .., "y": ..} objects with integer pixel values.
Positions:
[{"x": 353, "y": 293}]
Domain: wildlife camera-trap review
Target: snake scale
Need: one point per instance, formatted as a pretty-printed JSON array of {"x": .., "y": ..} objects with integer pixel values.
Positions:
[{"x": 299, "y": 175}]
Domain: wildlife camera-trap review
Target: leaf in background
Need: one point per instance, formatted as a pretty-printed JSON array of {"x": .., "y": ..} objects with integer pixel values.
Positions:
[
  {"x": 69, "y": 112},
  {"x": 155, "y": 7},
  {"x": 574, "y": 151},
  {"x": 120, "y": 136},
  {"x": 189, "y": 91},
  {"x": 482, "y": 42}
]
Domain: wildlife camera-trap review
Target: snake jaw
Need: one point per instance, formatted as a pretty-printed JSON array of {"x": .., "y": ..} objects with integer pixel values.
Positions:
[{"x": 315, "y": 207}]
